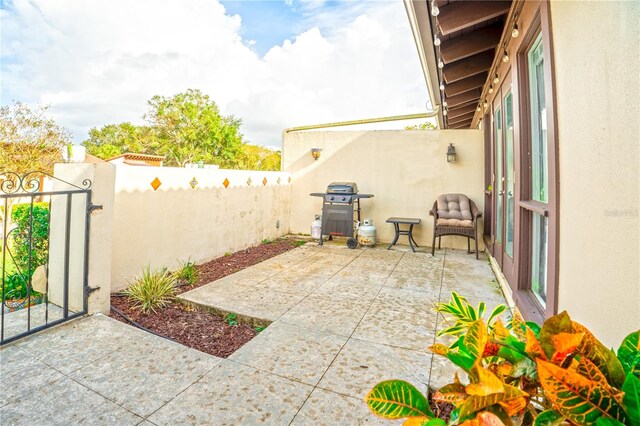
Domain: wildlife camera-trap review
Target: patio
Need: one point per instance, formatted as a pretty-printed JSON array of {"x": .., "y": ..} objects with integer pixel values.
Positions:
[{"x": 342, "y": 320}]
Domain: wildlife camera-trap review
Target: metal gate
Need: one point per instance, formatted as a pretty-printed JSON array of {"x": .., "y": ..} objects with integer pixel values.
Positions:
[{"x": 45, "y": 247}]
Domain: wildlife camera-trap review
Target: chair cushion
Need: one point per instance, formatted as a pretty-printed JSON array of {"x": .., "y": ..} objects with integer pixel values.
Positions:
[
  {"x": 454, "y": 206},
  {"x": 455, "y": 222}
]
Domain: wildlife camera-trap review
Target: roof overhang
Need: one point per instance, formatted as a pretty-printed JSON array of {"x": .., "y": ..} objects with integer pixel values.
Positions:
[
  {"x": 472, "y": 35},
  {"x": 418, "y": 14}
]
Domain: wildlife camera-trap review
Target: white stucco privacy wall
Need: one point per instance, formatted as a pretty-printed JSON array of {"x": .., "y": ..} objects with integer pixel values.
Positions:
[
  {"x": 405, "y": 170},
  {"x": 597, "y": 73},
  {"x": 177, "y": 222}
]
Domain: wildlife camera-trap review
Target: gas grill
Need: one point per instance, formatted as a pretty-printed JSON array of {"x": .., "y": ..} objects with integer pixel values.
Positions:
[{"x": 341, "y": 211}]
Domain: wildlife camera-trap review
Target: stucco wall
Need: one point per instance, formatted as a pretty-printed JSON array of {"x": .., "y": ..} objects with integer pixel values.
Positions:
[
  {"x": 102, "y": 178},
  {"x": 175, "y": 222},
  {"x": 405, "y": 170},
  {"x": 596, "y": 48}
]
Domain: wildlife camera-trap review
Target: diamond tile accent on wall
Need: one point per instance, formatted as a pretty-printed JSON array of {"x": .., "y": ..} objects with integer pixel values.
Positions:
[
  {"x": 289, "y": 179},
  {"x": 278, "y": 180},
  {"x": 226, "y": 183},
  {"x": 155, "y": 184},
  {"x": 264, "y": 181},
  {"x": 249, "y": 181},
  {"x": 193, "y": 183}
]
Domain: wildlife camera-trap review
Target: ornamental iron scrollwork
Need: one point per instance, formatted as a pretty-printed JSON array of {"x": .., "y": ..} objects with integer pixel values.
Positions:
[{"x": 31, "y": 183}]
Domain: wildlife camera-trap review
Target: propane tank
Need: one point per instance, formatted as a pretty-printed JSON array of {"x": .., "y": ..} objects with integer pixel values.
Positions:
[
  {"x": 316, "y": 228},
  {"x": 367, "y": 233}
]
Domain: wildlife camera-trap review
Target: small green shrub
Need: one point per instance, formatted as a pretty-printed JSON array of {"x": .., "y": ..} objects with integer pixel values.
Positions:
[
  {"x": 38, "y": 244},
  {"x": 187, "y": 274},
  {"x": 299, "y": 243},
  {"x": 260, "y": 328},
  {"x": 152, "y": 290},
  {"x": 16, "y": 286},
  {"x": 266, "y": 241},
  {"x": 231, "y": 319}
]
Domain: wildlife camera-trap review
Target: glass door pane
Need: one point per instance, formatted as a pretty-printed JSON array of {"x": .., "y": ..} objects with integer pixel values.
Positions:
[
  {"x": 499, "y": 189},
  {"x": 539, "y": 163},
  {"x": 539, "y": 251},
  {"x": 539, "y": 170},
  {"x": 509, "y": 174}
]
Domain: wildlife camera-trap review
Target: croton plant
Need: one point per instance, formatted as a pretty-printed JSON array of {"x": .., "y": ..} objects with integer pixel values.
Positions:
[{"x": 518, "y": 373}]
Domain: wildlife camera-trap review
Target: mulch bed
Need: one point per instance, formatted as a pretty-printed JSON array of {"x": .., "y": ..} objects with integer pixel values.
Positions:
[
  {"x": 227, "y": 265},
  {"x": 442, "y": 410},
  {"x": 202, "y": 330}
]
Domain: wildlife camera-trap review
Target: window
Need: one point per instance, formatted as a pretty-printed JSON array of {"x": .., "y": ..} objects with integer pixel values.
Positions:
[
  {"x": 499, "y": 180},
  {"x": 539, "y": 170},
  {"x": 509, "y": 174},
  {"x": 539, "y": 162}
]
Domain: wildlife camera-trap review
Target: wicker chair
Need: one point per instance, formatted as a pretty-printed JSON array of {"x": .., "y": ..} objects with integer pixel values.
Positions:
[{"x": 455, "y": 214}]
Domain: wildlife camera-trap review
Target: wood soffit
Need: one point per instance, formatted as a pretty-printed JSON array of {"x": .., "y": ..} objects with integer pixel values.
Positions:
[
  {"x": 457, "y": 112},
  {"x": 470, "y": 33}
]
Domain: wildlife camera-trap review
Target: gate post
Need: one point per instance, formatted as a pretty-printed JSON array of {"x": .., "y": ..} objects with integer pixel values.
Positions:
[{"x": 100, "y": 221}]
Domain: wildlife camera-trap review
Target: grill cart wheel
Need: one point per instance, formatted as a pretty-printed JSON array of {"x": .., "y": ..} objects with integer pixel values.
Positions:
[{"x": 352, "y": 243}]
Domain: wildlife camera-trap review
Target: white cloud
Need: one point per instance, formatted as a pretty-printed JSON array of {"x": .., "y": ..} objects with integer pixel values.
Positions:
[{"x": 98, "y": 62}]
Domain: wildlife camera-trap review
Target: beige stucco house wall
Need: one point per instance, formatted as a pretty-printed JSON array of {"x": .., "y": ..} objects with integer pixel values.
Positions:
[
  {"x": 405, "y": 170},
  {"x": 597, "y": 77}
]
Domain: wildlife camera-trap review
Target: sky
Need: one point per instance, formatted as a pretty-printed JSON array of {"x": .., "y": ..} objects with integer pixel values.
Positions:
[{"x": 274, "y": 64}]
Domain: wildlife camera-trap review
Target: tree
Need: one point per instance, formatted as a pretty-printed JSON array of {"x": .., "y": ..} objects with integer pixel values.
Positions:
[
  {"x": 424, "y": 126},
  {"x": 185, "y": 128},
  {"x": 29, "y": 140},
  {"x": 189, "y": 128},
  {"x": 253, "y": 157},
  {"x": 116, "y": 139}
]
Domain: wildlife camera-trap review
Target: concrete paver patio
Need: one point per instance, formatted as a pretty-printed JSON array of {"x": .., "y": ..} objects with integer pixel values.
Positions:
[{"x": 342, "y": 320}]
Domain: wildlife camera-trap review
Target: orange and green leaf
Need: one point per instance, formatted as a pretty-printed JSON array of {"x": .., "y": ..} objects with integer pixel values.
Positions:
[
  {"x": 487, "y": 384},
  {"x": 476, "y": 339},
  {"x": 416, "y": 421},
  {"x": 532, "y": 345},
  {"x": 560, "y": 323},
  {"x": 504, "y": 369},
  {"x": 515, "y": 406},
  {"x": 461, "y": 357},
  {"x": 589, "y": 370},
  {"x": 565, "y": 344},
  {"x": 439, "y": 349},
  {"x": 453, "y": 393},
  {"x": 499, "y": 330},
  {"x": 518, "y": 325},
  {"x": 600, "y": 355},
  {"x": 397, "y": 399},
  {"x": 484, "y": 418},
  {"x": 576, "y": 397},
  {"x": 476, "y": 403}
]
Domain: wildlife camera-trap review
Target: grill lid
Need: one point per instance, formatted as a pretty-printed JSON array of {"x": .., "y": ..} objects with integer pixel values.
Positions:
[{"x": 342, "y": 188}]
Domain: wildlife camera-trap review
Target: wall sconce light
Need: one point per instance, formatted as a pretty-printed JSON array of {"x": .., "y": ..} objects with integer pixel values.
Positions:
[
  {"x": 451, "y": 154},
  {"x": 315, "y": 153}
]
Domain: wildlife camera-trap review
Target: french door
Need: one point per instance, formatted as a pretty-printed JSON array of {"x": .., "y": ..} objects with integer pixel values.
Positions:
[{"x": 504, "y": 180}]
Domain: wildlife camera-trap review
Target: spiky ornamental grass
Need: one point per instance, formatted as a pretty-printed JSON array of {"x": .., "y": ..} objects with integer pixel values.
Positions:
[{"x": 152, "y": 289}]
